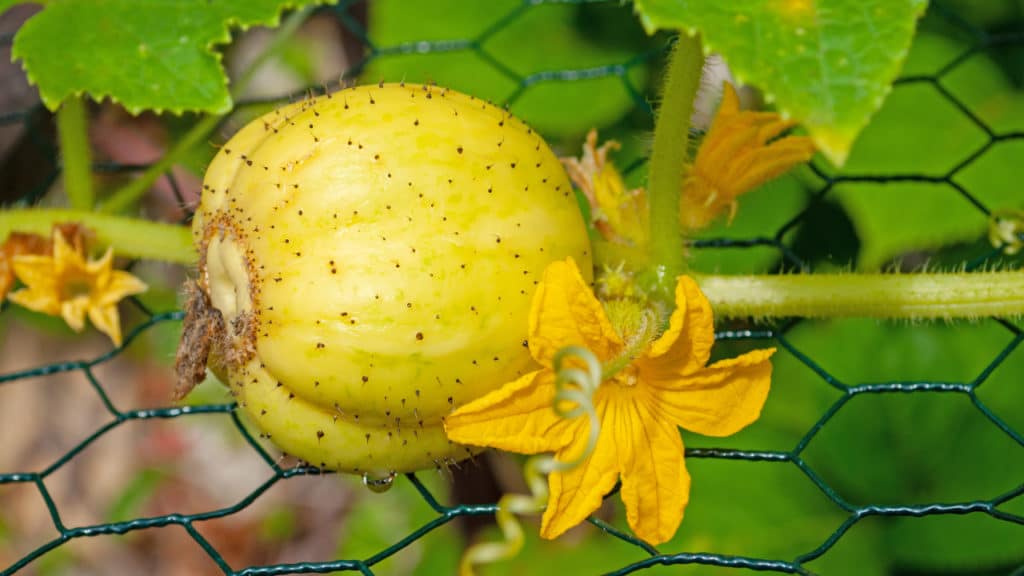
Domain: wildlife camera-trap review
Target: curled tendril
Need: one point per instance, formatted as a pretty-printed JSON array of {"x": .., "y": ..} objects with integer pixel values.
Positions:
[
  {"x": 1006, "y": 230},
  {"x": 575, "y": 386}
]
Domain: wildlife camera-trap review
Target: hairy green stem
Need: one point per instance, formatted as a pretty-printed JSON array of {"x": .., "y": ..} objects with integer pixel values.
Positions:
[
  {"x": 127, "y": 196},
  {"x": 130, "y": 237},
  {"x": 892, "y": 296},
  {"x": 73, "y": 133},
  {"x": 668, "y": 165}
]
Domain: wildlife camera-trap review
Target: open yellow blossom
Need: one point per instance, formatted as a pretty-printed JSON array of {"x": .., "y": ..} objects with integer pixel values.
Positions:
[
  {"x": 737, "y": 155},
  {"x": 66, "y": 284},
  {"x": 620, "y": 215},
  {"x": 652, "y": 386}
]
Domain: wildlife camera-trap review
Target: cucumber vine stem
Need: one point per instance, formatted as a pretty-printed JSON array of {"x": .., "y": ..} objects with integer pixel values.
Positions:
[
  {"x": 669, "y": 156},
  {"x": 131, "y": 237},
  {"x": 73, "y": 133},
  {"x": 885, "y": 296}
]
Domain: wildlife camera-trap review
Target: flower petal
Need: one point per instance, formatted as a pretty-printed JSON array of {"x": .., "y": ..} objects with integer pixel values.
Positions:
[
  {"x": 655, "y": 483},
  {"x": 772, "y": 161},
  {"x": 565, "y": 312},
  {"x": 121, "y": 285},
  {"x": 720, "y": 400},
  {"x": 73, "y": 311},
  {"x": 577, "y": 492},
  {"x": 36, "y": 272},
  {"x": 730, "y": 101},
  {"x": 686, "y": 346},
  {"x": 100, "y": 270},
  {"x": 727, "y": 137},
  {"x": 64, "y": 255},
  {"x": 772, "y": 129},
  {"x": 517, "y": 417},
  {"x": 106, "y": 319},
  {"x": 37, "y": 300}
]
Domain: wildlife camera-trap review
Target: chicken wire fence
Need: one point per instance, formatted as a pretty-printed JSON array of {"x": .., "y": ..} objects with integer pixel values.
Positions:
[{"x": 649, "y": 556}]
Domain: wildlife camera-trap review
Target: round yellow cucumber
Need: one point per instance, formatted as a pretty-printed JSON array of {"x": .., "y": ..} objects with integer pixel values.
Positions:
[{"x": 369, "y": 257}]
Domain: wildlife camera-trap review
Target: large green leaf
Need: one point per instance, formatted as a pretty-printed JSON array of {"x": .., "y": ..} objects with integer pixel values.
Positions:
[
  {"x": 144, "y": 55},
  {"x": 826, "y": 63}
]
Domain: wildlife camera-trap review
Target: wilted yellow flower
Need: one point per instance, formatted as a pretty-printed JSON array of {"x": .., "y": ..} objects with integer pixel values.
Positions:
[
  {"x": 66, "y": 284},
  {"x": 652, "y": 385},
  {"x": 16, "y": 244},
  {"x": 736, "y": 156},
  {"x": 620, "y": 215}
]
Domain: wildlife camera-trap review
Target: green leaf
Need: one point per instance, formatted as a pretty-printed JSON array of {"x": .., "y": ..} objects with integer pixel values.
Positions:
[
  {"x": 826, "y": 63},
  {"x": 143, "y": 55}
]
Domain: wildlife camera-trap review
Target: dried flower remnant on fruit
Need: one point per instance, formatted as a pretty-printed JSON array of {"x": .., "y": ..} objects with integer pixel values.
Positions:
[
  {"x": 740, "y": 152},
  {"x": 653, "y": 383},
  {"x": 202, "y": 326},
  {"x": 620, "y": 215},
  {"x": 68, "y": 284}
]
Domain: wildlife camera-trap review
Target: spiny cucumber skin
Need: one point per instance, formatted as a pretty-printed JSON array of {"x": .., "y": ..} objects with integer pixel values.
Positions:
[{"x": 381, "y": 247}]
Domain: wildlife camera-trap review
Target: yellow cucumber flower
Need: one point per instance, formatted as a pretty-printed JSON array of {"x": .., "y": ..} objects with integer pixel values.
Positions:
[
  {"x": 66, "y": 284},
  {"x": 655, "y": 385},
  {"x": 738, "y": 154},
  {"x": 618, "y": 214},
  {"x": 17, "y": 243}
]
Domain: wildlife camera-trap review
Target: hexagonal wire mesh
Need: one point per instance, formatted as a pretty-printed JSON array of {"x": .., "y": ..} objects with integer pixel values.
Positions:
[{"x": 980, "y": 41}]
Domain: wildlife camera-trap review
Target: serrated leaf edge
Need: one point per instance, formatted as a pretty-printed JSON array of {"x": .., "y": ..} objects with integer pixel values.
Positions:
[
  {"x": 817, "y": 131},
  {"x": 210, "y": 48}
]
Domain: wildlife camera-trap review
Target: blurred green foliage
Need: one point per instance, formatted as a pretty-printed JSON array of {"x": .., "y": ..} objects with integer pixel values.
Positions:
[
  {"x": 131, "y": 499},
  {"x": 375, "y": 521}
]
